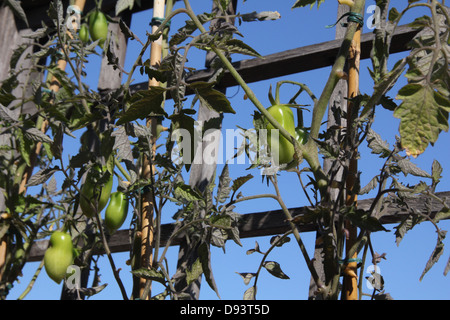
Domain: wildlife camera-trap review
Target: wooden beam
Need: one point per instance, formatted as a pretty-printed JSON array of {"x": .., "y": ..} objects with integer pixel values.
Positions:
[
  {"x": 258, "y": 224},
  {"x": 296, "y": 60}
]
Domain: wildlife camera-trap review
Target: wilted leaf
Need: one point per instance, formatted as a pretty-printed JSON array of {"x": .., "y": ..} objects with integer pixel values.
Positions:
[
  {"x": 250, "y": 293},
  {"x": 122, "y": 144},
  {"x": 423, "y": 115},
  {"x": 246, "y": 276},
  {"x": 275, "y": 269}
]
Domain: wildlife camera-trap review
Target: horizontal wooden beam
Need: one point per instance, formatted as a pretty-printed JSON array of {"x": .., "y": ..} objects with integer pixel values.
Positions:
[
  {"x": 296, "y": 60},
  {"x": 256, "y": 225}
]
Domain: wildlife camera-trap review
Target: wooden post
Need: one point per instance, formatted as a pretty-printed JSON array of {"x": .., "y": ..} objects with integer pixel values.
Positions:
[
  {"x": 109, "y": 79},
  {"x": 350, "y": 282},
  {"x": 201, "y": 174},
  {"x": 54, "y": 86},
  {"x": 10, "y": 33},
  {"x": 337, "y": 101},
  {"x": 147, "y": 223}
]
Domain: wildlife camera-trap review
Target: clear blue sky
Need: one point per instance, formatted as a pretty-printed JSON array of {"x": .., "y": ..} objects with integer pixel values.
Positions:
[{"x": 296, "y": 28}]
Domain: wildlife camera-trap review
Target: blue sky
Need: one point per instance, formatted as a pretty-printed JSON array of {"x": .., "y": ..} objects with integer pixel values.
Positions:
[{"x": 296, "y": 28}]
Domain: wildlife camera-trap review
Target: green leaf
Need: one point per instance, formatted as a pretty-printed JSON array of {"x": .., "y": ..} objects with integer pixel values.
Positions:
[
  {"x": 304, "y": 3},
  {"x": 212, "y": 98},
  {"x": 436, "y": 254},
  {"x": 221, "y": 221},
  {"x": 423, "y": 115},
  {"x": 436, "y": 171},
  {"x": 223, "y": 190},
  {"x": 239, "y": 182},
  {"x": 443, "y": 214},
  {"x": 150, "y": 274},
  {"x": 144, "y": 103},
  {"x": 194, "y": 272},
  {"x": 123, "y": 5},
  {"x": 237, "y": 46},
  {"x": 408, "y": 167},
  {"x": 275, "y": 269},
  {"x": 205, "y": 257},
  {"x": 377, "y": 144},
  {"x": 186, "y": 192},
  {"x": 406, "y": 225},
  {"x": 362, "y": 219}
]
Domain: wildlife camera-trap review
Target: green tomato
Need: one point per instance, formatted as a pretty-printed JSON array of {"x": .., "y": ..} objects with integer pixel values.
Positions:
[
  {"x": 301, "y": 135},
  {"x": 117, "y": 211},
  {"x": 84, "y": 33},
  {"x": 92, "y": 192},
  {"x": 59, "y": 256},
  {"x": 284, "y": 148},
  {"x": 98, "y": 27}
]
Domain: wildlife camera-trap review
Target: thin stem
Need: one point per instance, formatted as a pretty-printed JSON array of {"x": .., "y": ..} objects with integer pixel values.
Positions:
[{"x": 266, "y": 254}]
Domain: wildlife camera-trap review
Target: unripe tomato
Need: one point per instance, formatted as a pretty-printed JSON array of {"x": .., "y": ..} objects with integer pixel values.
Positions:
[
  {"x": 301, "y": 135},
  {"x": 84, "y": 33},
  {"x": 116, "y": 212},
  {"x": 92, "y": 192},
  {"x": 98, "y": 27},
  {"x": 284, "y": 148},
  {"x": 59, "y": 256}
]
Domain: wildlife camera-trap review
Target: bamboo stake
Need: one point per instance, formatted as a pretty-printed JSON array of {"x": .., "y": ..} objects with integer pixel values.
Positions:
[
  {"x": 350, "y": 283},
  {"x": 55, "y": 85},
  {"x": 147, "y": 222}
]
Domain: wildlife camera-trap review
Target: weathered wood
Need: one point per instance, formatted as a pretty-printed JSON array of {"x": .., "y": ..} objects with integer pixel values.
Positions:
[
  {"x": 296, "y": 60},
  {"x": 259, "y": 224},
  {"x": 337, "y": 103},
  {"x": 202, "y": 172}
]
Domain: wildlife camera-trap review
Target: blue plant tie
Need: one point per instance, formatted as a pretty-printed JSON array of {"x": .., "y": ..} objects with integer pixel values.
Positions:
[
  {"x": 358, "y": 260},
  {"x": 75, "y": 9},
  {"x": 158, "y": 21},
  {"x": 351, "y": 17}
]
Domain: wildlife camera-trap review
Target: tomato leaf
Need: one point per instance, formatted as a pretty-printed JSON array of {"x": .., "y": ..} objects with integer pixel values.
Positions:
[
  {"x": 144, "y": 103},
  {"x": 304, "y": 3},
  {"x": 212, "y": 98},
  {"x": 204, "y": 254},
  {"x": 275, "y": 269},
  {"x": 423, "y": 115}
]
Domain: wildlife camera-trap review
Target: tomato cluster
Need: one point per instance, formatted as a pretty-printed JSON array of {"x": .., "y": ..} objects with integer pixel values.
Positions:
[{"x": 96, "y": 30}]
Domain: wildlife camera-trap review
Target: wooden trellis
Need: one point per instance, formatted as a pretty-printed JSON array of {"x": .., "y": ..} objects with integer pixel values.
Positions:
[{"x": 284, "y": 63}]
